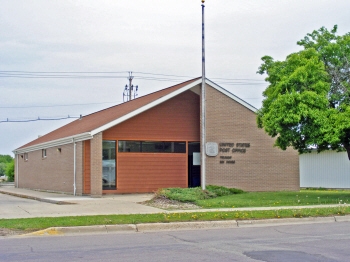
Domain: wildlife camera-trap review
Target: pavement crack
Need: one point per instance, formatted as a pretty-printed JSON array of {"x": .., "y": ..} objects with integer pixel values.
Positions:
[
  {"x": 31, "y": 249},
  {"x": 293, "y": 234},
  {"x": 182, "y": 240},
  {"x": 24, "y": 210}
]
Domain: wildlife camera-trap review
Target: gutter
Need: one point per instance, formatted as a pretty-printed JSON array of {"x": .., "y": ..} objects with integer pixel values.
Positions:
[{"x": 53, "y": 143}]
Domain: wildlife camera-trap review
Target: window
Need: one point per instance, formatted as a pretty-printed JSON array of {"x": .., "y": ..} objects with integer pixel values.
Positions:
[
  {"x": 43, "y": 153},
  {"x": 25, "y": 156},
  {"x": 129, "y": 146},
  {"x": 151, "y": 147},
  {"x": 108, "y": 165}
]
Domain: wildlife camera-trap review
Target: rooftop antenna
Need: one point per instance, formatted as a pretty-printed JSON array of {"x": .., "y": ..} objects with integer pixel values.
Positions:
[
  {"x": 130, "y": 91},
  {"x": 203, "y": 105}
]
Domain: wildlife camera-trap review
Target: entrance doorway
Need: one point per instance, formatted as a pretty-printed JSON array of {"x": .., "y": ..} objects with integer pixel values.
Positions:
[
  {"x": 109, "y": 165},
  {"x": 194, "y": 164}
]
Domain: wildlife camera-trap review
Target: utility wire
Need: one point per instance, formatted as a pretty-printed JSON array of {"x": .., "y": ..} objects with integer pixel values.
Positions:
[
  {"x": 13, "y": 107},
  {"x": 82, "y": 75},
  {"x": 37, "y": 119}
]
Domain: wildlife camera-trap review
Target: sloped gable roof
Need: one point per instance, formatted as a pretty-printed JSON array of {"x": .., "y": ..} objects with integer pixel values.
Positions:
[
  {"x": 89, "y": 125},
  {"x": 95, "y": 120}
]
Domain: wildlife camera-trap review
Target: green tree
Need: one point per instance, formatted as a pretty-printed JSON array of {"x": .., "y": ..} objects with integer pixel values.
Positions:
[
  {"x": 2, "y": 168},
  {"x": 5, "y": 158},
  {"x": 10, "y": 171},
  {"x": 307, "y": 102}
]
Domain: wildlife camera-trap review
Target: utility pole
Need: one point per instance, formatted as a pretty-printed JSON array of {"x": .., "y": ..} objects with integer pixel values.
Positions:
[
  {"x": 130, "y": 86},
  {"x": 203, "y": 104},
  {"x": 127, "y": 94}
]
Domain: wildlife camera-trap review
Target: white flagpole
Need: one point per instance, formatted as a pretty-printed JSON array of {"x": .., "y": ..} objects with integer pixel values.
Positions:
[{"x": 203, "y": 104}]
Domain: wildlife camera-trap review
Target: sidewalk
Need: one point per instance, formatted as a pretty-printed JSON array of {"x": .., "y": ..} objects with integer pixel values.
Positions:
[
  {"x": 56, "y": 205},
  {"x": 31, "y": 203}
]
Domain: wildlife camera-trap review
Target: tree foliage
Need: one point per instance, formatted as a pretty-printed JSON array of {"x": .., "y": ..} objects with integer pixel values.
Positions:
[
  {"x": 10, "y": 171},
  {"x": 2, "y": 169},
  {"x": 307, "y": 102},
  {"x": 5, "y": 158}
]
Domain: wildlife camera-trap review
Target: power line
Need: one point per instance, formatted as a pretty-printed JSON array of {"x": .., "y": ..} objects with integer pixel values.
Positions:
[
  {"x": 82, "y": 75},
  {"x": 12, "y": 107},
  {"x": 37, "y": 119}
]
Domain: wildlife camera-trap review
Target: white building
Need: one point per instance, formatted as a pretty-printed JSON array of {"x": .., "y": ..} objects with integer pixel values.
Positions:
[{"x": 328, "y": 169}]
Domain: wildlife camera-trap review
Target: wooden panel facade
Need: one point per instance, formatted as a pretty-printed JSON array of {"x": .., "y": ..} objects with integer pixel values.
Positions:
[
  {"x": 140, "y": 173},
  {"x": 87, "y": 167},
  {"x": 174, "y": 120}
]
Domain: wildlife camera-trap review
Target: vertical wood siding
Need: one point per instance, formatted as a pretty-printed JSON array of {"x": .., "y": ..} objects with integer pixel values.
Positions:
[
  {"x": 173, "y": 120},
  {"x": 327, "y": 169},
  {"x": 176, "y": 119},
  {"x": 87, "y": 167},
  {"x": 139, "y": 173}
]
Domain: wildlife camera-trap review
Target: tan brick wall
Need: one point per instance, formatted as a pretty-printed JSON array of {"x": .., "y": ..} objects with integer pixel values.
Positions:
[
  {"x": 54, "y": 172},
  {"x": 96, "y": 165},
  {"x": 263, "y": 167}
]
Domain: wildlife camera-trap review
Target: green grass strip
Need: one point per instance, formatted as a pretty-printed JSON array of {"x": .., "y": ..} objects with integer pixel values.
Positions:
[
  {"x": 276, "y": 199},
  {"x": 45, "y": 222}
]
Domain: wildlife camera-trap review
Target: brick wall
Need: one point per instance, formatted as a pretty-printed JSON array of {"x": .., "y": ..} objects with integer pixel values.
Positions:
[
  {"x": 55, "y": 172},
  {"x": 96, "y": 165},
  {"x": 263, "y": 167}
]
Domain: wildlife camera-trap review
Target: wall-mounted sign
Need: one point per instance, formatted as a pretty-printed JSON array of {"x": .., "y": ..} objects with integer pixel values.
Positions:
[
  {"x": 231, "y": 148},
  {"x": 211, "y": 149}
]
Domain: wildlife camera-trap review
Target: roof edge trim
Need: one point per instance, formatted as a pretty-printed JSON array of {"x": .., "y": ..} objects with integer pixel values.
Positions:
[
  {"x": 57, "y": 142},
  {"x": 232, "y": 96},
  {"x": 145, "y": 107}
]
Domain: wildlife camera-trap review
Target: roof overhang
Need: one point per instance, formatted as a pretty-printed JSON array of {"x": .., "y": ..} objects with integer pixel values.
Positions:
[
  {"x": 230, "y": 95},
  {"x": 58, "y": 142}
]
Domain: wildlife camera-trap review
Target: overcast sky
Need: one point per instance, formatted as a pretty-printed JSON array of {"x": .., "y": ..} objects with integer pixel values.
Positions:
[{"x": 150, "y": 38}]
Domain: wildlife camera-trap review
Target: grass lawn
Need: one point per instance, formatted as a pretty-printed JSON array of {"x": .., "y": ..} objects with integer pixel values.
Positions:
[
  {"x": 281, "y": 198},
  {"x": 45, "y": 222}
]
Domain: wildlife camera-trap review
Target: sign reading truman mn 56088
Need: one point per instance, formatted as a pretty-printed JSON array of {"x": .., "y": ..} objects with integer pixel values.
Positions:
[{"x": 230, "y": 148}]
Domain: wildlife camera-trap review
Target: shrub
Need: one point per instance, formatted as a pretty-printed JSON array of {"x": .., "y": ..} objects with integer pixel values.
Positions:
[
  {"x": 196, "y": 193},
  {"x": 236, "y": 191},
  {"x": 186, "y": 194},
  {"x": 223, "y": 191},
  {"x": 10, "y": 171}
]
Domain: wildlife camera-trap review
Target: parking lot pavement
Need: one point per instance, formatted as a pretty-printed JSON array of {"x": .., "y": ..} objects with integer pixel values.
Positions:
[{"x": 16, "y": 207}]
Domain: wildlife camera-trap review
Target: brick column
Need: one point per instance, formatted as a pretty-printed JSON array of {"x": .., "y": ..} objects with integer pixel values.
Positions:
[{"x": 96, "y": 165}]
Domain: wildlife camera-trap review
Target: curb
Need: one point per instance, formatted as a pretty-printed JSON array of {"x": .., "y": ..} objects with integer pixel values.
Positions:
[
  {"x": 173, "y": 226},
  {"x": 186, "y": 225},
  {"x": 37, "y": 198},
  {"x": 287, "y": 221}
]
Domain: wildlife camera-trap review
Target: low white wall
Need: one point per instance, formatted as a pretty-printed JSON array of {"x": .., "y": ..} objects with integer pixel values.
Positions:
[{"x": 326, "y": 169}]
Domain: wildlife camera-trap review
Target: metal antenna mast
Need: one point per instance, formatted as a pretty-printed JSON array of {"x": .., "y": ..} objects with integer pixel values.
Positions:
[
  {"x": 130, "y": 86},
  {"x": 129, "y": 90},
  {"x": 203, "y": 104}
]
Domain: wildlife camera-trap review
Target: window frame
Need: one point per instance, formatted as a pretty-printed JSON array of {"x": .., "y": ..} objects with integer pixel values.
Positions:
[
  {"x": 172, "y": 147},
  {"x": 43, "y": 153}
]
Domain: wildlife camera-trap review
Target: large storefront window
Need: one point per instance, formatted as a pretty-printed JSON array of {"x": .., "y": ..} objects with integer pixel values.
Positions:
[
  {"x": 151, "y": 147},
  {"x": 109, "y": 165}
]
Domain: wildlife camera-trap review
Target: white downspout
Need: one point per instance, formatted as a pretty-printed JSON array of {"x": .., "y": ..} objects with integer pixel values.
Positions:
[
  {"x": 17, "y": 169},
  {"x": 75, "y": 167}
]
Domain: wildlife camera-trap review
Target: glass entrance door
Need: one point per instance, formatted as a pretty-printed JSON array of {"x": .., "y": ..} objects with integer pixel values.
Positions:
[
  {"x": 194, "y": 164},
  {"x": 109, "y": 165}
]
